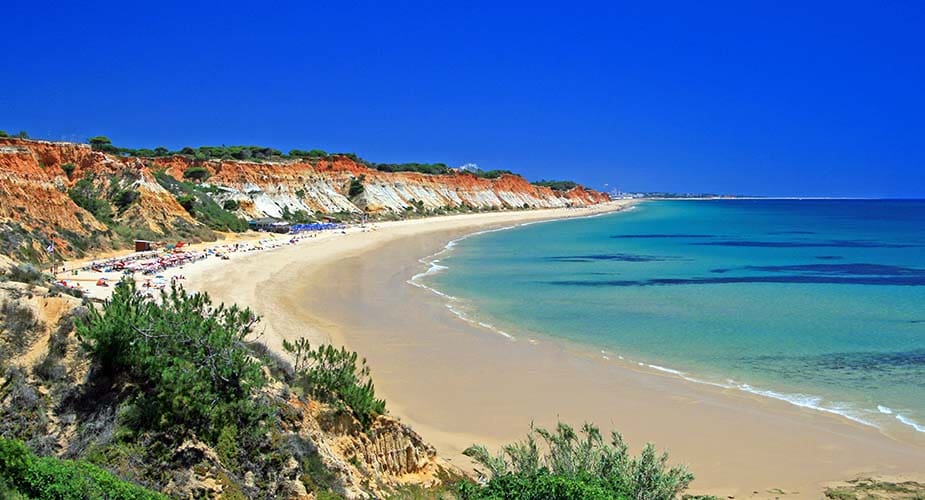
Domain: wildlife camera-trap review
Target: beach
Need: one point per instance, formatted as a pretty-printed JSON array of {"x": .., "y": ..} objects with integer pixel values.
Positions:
[{"x": 457, "y": 383}]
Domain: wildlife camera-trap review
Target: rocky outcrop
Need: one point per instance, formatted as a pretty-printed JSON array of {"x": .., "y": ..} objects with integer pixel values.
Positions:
[{"x": 35, "y": 208}]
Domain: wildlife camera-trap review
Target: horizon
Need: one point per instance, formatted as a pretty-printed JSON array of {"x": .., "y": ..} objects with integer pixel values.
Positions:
[{"x": 796, "y": 101}]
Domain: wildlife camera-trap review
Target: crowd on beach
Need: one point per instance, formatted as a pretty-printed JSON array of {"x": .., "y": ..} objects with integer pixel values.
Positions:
[{"x": 146, "y": 267}]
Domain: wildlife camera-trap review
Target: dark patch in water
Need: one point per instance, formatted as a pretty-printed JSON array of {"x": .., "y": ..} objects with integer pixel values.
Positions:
[
  {"x": 829, "y": 257},
  {"x": 858, "y": 369},
  {"x": 795, "y": 278},
  {"x": 791, "y": 232},
  {"x": 641, "y": 236},
  {"x": 836, "y": 269},
  {"x": 618, "y": 257},
  {"x": 805, "y": 244}
]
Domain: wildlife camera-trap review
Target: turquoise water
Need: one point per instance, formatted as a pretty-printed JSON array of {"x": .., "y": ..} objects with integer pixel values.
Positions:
[{"x": 820, "y": 303}]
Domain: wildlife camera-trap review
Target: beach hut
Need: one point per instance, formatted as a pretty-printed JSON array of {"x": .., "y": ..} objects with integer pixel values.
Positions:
[{"x": 143, "y": 245}]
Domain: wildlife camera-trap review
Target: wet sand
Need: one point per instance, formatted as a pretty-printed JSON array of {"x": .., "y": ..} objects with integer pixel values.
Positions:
[{"x": 459, "y": 384}]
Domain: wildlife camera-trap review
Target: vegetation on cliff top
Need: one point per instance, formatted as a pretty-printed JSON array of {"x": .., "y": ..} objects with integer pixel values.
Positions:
[
  {"x": 263, "y": 153},
  {"x": 557, "y": 185}
]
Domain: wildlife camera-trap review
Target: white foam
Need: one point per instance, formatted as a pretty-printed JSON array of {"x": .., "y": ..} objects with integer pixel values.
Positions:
[
  {"x": 811, "y": 402},
  {"x": 884, "y": 410},
  {"x": 666, "y": 370},
  {"x": 434, "y": 267},
  {"x": 911, "y": 423}
]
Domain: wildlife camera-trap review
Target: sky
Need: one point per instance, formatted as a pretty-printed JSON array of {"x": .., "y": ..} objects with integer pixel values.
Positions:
[{"x": 760, "y": 98}]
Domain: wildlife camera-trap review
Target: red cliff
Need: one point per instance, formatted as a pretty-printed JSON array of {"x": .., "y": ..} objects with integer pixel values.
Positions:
[{"x": 36, "y": 177}]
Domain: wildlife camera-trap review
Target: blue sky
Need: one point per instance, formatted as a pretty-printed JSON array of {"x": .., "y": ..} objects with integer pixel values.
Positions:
[{"x": 768, "y": 98}]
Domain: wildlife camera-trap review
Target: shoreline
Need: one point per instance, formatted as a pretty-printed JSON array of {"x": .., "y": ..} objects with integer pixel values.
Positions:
[
  {"x": 650, "y": 365},
  {"x": 300, "y": 293}
]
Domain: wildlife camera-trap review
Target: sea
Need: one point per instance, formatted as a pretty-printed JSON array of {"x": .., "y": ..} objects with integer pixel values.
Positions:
[{"x": 820, "y": 303}]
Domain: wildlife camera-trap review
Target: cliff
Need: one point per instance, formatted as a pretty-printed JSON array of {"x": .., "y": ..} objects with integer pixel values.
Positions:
[{"x": 123, "y": 197}]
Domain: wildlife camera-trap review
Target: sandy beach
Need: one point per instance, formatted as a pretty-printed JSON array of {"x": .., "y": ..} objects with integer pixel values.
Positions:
[{"x": 459, "y": 384}]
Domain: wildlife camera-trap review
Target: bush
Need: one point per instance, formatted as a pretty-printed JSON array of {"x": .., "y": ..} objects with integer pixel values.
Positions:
[
  {"x": 102, "y": 143},
  {"x": 199, "y": 204},
  {"x": 557, "y": 185},
  {"x": 196, "y": 173},
  {"x": 230, "y": 205},
  {"x": 25, "y": 273},
  {"x": 421, "y": 168},
  {"x": 492, "y": 174},
  {"x": 68, "y": 169},
  {"x": 87, "y": 196},
  {"x": 188, "y": 358},
  {"x": 51, "y": 478},
  {"x": 356, "y": 186},
  {"x": 314, "y": 153},
  {"x": 334, "y": 375},
  {"x": 539, "y": 486},
  {"x": 187, "y": 201},
  {"x": 18, "y": 328},
  {"x": 575, "y": 465}
]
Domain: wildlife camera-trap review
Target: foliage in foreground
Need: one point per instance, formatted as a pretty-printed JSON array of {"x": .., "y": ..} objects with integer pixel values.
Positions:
[
  {"x": 570, "y": 464},
  {"x": 335, "y": 375},
  {"x": 188, "y": 357},
  {"x": 23, "y": 475}
]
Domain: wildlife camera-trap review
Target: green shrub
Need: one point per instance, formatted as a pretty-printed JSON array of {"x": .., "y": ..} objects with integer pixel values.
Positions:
[
  {"x": 25, "y": 273},
  {"x": 421, "y": 168},
  {"x": 557, "y": 185},
  {"x": 227, "y": 446},
  {"x": 356, "y": 186},
  {"x": 124, "y": 198},
  {"x": 102, "y": 143},
  {"x": 314, "y": 153},
  {"x": 575, "y": 465},
  {"x": 18, "y": 326},
  {"x": 336, "y": 376},
  {"x": 51, "y": 478},
  {"x": 492, "y": 174},
  {"x": 68, "y": 169},
  {"x": 196, "y": 200},
  {"x": 196, "y": 173},
  {"x": 230, "y": 205},
  {"x": 187, "y": 201},
  {"x": 188, "y": 358},
  {"x": 540, "y": 486},
  {"x": 86, "y": 195}
]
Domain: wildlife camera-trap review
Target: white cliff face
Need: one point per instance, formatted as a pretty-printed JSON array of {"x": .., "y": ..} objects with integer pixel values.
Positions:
[
  {"x": 322, "y": 187},
  {"x": 325, "y": 194}
]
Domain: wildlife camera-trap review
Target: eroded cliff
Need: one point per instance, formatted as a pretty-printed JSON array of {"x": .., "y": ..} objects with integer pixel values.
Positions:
[{"x": 84, "y": 199}]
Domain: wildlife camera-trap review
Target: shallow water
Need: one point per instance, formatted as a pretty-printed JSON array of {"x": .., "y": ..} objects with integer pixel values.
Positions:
[{"x": 820, "y": 303}]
